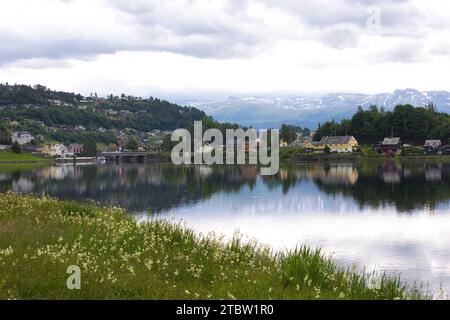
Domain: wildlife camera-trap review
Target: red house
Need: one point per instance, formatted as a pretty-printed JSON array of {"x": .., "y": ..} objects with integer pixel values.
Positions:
[
  {"x": 391, "y": 145},
  {"x": 75, "y": 148}
]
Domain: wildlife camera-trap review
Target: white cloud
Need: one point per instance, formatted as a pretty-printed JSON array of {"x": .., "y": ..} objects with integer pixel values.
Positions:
[{"x": 195, "y": 46}]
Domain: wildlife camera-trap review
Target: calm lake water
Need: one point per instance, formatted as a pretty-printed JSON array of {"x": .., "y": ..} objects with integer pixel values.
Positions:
[{"x": 383, "y": 215}]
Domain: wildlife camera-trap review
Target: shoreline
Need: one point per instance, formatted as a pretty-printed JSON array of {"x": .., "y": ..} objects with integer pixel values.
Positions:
[
  {"x": 359, "y": 157},
  {"x": 158, "y": 260},
  {"x": 163, "y": 158}
]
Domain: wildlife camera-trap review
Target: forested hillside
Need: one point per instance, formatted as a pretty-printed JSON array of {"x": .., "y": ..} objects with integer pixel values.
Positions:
[{"x": 21, "y": 102}]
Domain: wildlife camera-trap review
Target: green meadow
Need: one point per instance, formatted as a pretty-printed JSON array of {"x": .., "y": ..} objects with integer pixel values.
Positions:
[{"x": 119, "y": 258}]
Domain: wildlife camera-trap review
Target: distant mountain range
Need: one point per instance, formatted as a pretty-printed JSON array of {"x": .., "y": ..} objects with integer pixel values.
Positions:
[{"x": 308, "y": 111}]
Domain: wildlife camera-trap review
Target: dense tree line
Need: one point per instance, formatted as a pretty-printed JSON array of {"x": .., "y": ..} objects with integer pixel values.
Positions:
[
  {"x": 5, "y": 136},
  {"x": 37, "y": 95},
  {"x": 413, "y": 124},
  {"x": 67, "y": 137},
  {"x": 289, "y": 133}
]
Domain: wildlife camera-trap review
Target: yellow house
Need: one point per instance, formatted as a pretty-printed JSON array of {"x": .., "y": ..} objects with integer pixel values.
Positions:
[
  {"x": 339, "y": 144},
  {"x": 283, "y": 143},
  {"x": 57, "y": 150},
  {"x": 314, "y": 146},
  {"x": 47, "y": 151}
]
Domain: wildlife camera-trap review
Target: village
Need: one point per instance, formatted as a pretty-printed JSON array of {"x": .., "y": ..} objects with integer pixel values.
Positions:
[
  {"x": 130, "y": 140},
  {"x": 389, "y": 146},
  {"x": 126, "y": 140}
]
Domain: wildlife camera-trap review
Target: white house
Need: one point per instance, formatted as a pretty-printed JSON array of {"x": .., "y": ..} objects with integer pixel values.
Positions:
[
  {"x": 21, "y": 137},
  {"x": 57, "y": 150},
  {"x": 61, "y": 150}
]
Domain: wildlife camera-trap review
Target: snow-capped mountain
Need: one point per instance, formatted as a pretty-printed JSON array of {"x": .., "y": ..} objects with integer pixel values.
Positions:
[{"x": 270, "y": 112}]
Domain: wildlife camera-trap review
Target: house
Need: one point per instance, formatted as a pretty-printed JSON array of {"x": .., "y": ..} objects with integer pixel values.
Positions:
[
  {"x": 57, "y": 150},
  {"x": 47, "y": 151},
  {"x": 22, "y": 137},
  {"x": 75, "y": 148},
  {"x": 299, "y": 143},
  {"x": 111, "y": 112},
  {"x": 80, "y": 128},
  {"x": 155, "y": 147},
  {"x": 314, "y": 146},
  {"x": 391, "y": 145},
  {"x": 122, "y": 143},
  {"x": 432, "y": 146},
  {"x": 339, "y": 144}
]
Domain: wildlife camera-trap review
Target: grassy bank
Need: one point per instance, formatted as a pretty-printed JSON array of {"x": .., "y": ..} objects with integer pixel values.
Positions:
[
  {"x": 295, "y": 155},
  {"x": 119, "y": 258},
  {"x": 8, "y": 157}
]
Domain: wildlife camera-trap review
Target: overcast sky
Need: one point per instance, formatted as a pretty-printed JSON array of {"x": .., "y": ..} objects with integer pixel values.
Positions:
[{"x": 205, "y": 48}]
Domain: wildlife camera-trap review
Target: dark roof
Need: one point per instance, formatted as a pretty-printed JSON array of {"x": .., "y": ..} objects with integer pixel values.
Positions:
[
  {"x": 432, "y": 143},
  {"x": 335, "y": 140},
  {"x": 390, "y": 141}
]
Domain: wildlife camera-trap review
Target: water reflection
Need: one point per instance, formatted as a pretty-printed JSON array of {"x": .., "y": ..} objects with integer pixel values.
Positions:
[
  {"x": 388, "y": 215},
  {"x": 374, "y": 185}
]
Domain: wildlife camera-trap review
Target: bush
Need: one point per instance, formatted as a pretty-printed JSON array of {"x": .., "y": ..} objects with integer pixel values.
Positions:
[
  {"x": 369, "y": 151},
  {"x": 16, "y": 148},
  {"x": 132, "y": 144},
  {"x": 290, "y": 152},
  {"x": 411, "y": 151}
]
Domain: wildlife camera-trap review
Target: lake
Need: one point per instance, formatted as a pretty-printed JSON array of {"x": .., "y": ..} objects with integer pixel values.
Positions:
[{"x": 384, "y": 215}]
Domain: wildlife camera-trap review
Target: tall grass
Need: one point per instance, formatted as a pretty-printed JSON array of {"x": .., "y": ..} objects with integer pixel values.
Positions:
[{"x": 122, "y": 259}]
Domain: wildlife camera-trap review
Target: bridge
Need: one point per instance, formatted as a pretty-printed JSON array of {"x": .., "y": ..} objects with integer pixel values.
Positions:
[{"x": 134, "y": 157}]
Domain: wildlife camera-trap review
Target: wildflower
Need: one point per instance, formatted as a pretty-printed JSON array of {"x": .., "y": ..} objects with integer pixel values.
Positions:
[
  {"x": 342, "y": 295},
  {"x": 149, "y": 264},
  {"x": 230, "y": 296},
  {"x": 317, "y": 290},
  {"x": 176, "y": 273}
]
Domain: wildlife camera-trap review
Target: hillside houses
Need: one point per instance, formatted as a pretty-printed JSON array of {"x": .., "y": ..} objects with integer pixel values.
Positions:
[{"x": 22, "y": 137}]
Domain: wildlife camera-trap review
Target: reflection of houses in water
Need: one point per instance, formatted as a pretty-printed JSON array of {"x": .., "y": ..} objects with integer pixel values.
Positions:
[
  {"x": 249, "y": 172},
  {"x": 283, "y": 174},
  {"x": 433, "y": 172},
  {"x": 391, "y": 172},
  {"x": 345, "y": 174},
  {"x": 204, "y": 171},
  {"x": 58, "y": 172},
  {"x": 22, "y": 185}
]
